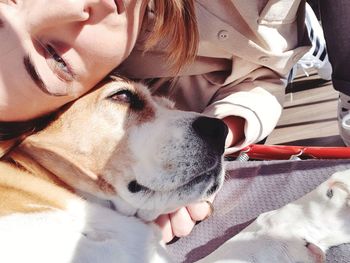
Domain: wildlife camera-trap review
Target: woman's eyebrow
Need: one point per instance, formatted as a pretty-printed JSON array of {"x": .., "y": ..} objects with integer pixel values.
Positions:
[
  {"x": 1, "y": 23},
  {"x": 33, "y": 73}
]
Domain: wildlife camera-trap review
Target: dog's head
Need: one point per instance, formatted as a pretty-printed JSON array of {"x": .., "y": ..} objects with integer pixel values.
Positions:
[{"x": 119, "y": 143}]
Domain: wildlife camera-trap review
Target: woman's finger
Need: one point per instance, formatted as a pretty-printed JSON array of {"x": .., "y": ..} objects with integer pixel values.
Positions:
[
  {"x": 163, "y": 221},
  {"x": 181, "y": 222},
  {"x": 201, "y": 210}
]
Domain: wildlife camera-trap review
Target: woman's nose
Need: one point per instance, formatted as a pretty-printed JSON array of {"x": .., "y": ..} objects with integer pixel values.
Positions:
[
  {"x": 83, "y": 10},
  {"x": 68, "y": 11}
]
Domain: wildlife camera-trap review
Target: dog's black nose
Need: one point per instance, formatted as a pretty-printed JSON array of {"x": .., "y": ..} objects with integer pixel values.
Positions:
[{"x": 213, "y": 131}]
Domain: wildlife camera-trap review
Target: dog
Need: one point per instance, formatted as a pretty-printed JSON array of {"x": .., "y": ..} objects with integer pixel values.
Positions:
[
  {"x": 299, "y": 232},
  {"x": 82, "y": 189},
  {"x": 85, "y": 188}
]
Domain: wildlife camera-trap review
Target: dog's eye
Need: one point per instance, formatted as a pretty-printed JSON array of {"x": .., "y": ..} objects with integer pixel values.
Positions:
[
  {"x": 124, "y": 96},
  {"x": 128, "y": 97}
]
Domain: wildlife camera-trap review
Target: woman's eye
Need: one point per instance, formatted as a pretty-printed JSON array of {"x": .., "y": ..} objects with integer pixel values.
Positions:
[
  {"x": 58, "y": 65},
  {"x": 60, "y": 62},
  {"x": 124, "y": 96}
]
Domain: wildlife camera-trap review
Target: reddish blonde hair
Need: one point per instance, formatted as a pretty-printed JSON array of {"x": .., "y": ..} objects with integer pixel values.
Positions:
[{"x": 175, "y": 21}]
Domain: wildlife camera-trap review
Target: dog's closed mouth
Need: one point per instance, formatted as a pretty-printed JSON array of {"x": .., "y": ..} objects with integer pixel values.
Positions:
[
  {"x": 200, "y": 178},
  {"x": 135, "y": 187},
  {"x": 214, "y": 171}
]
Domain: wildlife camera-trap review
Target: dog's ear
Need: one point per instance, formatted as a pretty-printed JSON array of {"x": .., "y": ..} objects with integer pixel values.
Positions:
[
  {"x": 6, "y": 146},
  {"x": 68, "y": 167}
]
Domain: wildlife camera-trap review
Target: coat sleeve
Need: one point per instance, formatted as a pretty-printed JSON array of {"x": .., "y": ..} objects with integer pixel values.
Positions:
[{"x": 257, "y": 97}]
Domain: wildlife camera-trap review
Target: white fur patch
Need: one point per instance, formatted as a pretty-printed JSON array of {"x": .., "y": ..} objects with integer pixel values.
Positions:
[{"x": 85, "y": 234}]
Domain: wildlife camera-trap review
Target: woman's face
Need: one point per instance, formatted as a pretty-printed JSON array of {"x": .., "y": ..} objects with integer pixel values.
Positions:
[{"x": 52, "y": 51}]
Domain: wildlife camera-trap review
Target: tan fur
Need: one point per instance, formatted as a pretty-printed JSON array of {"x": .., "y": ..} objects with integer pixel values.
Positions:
[
  {"x": 27, "y": 186},
  {"x": 20, "y": 191}
]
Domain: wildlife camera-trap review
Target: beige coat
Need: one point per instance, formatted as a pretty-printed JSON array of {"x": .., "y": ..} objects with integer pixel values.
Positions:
[{"x": 246, "y": 50}]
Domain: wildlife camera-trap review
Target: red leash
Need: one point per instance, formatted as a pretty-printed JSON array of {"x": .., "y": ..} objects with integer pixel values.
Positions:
[{"x": 285, "y": 152}]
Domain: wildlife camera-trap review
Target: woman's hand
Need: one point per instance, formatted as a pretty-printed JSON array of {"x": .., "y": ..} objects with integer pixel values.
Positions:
[
  {"x": 235, "y": 127},
  {"x": 181, "y": 222}
]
